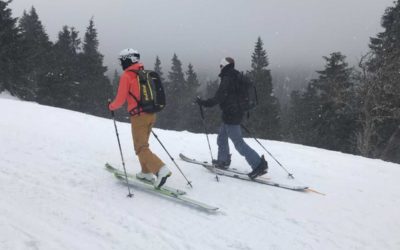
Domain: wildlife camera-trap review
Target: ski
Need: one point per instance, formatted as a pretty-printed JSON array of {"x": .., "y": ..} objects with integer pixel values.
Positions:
[
  {"x": 242, "y": 175},
  {"x": 133, "y": 177},
  {"x": 164, "y": 190},
  {"x": 210, "y": 166}
]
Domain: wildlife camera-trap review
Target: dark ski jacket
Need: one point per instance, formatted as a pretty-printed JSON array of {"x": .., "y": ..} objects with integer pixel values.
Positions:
[{"x": 226, "y": 96}]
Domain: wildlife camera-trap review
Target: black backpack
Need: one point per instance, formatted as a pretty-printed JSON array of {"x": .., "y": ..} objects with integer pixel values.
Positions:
[
  {"x": 152, "y": 94},
  {"x": 246, "y": 93}
]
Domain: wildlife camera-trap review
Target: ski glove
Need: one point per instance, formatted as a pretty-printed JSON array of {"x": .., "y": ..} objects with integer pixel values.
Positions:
[
  {"x": 199, "y": 101},
  {"x": 108, "y": 107}
]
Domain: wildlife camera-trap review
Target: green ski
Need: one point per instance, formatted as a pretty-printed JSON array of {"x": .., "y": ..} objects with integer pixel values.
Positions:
[{"x": 164, "y": 190}]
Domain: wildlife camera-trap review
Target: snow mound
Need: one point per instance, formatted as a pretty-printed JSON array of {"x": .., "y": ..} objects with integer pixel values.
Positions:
[{"x": 7, "y": 95}]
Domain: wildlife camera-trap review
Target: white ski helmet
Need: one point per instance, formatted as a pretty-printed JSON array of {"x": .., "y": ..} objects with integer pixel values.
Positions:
[{"x": 129, "y": 54}]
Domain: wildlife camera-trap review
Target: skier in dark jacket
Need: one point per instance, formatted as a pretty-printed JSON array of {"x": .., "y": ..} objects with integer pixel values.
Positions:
[{"x": 226, "y": 96}]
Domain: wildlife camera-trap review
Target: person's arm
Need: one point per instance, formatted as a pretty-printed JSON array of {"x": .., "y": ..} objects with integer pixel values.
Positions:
[
  {"x": 122, "y": 94},
  {"x": 219, "y": 96}
]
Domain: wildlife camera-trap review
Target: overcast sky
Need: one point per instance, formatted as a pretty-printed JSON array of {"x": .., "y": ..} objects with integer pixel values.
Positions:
[{"x": 295, "y": 32}]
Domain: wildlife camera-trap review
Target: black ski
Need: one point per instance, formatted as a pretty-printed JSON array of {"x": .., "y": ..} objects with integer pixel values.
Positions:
[{"x": 242, "y": 175}]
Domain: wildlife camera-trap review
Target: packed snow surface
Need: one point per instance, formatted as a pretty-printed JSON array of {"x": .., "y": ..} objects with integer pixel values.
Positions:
[{"x": 55, "y": 193}]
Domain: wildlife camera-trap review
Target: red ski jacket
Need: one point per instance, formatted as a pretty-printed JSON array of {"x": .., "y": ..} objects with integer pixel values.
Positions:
[{"x": 128, "y": 84}]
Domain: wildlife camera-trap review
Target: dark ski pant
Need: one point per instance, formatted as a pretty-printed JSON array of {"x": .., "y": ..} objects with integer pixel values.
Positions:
[
  {"x": 234, "y": 133},
  {"x": 141, "y": 129}
]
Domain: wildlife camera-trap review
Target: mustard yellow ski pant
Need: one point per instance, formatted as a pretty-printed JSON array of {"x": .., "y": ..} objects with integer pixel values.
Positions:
[{"x": 141, "y": 129}]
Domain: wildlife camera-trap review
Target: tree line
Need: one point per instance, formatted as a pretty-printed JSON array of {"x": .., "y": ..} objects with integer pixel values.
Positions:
[
  {"x": 354, "y": 109},
  {"x": 68, "y": 73},
  {"x": 349, "y": 109}
]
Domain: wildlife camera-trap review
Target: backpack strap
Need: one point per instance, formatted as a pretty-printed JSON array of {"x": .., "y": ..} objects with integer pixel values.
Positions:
[{"x": 135, "y": 110}]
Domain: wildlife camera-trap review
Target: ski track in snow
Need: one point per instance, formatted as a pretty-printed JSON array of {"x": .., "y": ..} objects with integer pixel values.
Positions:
[{"x": 55, "y": 193}]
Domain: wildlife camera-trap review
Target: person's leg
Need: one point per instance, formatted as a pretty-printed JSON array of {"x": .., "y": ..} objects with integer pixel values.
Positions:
[
  {"x": 235, "y": 134},
  {"x": 223, "y": 145},
  {"x": 141, "y": 129}
]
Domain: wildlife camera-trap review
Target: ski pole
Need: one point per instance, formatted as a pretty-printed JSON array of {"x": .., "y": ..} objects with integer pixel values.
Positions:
[
  {"x": 120, "y": 151},
  {"x": 173, "y": 160},
  {"x": 251, "y": 134},
  {"x": 208, "y": 140}
]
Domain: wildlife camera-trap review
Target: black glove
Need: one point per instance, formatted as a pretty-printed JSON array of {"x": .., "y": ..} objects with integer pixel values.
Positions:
[{"x": 199, "y": 101}]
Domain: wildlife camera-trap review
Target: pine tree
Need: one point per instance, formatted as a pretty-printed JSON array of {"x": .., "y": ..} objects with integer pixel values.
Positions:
[
  {"x": 61, "y": 87},
  {"x": 191, "y": 77},
  {"x": 171, "y": 117},
  {"x": 380, "y": 92},
  {"x": 115, "y": 82},
  {"x": 370, "y": 115},
  {"x": 94, "y": 87},
  {"x": 325, "y": 115},
  {"x": 37, "y": 49},
  {"x": 176, "y": 75},
  {"x": 10, "y": 51},
  {"x": 158, "y": 69},
  {"x": 190, "y": 109},
  {"x": 265, "y": 118}
]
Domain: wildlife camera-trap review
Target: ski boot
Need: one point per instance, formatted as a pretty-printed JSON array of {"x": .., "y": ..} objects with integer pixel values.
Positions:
[
  {"x": 162, "y": 176},
  {"x": 224, "y": 165},
  {"x": 261, "y": 169},
  {"x": 149, "y": 177}
]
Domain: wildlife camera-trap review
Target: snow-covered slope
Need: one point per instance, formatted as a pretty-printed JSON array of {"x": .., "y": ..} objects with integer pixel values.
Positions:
[{"x": 55, "y": 193}]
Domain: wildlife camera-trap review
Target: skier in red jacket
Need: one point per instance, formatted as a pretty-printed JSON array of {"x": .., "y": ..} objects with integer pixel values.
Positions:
[{"x": 142, "y": 123}]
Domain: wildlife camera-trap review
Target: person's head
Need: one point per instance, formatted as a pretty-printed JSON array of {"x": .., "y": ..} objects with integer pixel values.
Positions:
[
  {"x": 227, "y": 61},
  {"x": 127, "y": 57}
]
